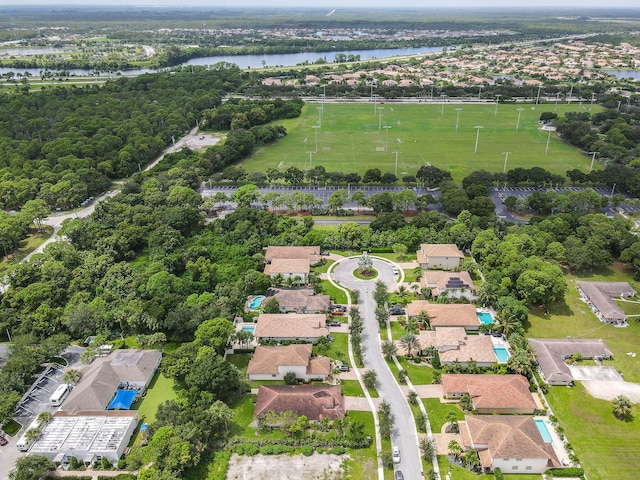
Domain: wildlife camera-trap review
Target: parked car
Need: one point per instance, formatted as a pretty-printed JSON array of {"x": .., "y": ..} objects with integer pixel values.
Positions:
[
  {"x": 396, "y": 310},
  {"x": 398, "y": 475},
  {"x": 395, "y": 270},
  {"x": 395, "y": 455},
  {"x": 324, "y": 254},
  {"x": 343, "y": 368},
  {"x": 334, "y": 324},
  {"x": 3, "y": 441}
]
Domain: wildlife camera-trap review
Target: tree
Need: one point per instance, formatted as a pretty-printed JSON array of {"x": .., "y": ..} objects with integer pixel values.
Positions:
[
  {"x": 427, "y": 448},
  {"x": 271, "y": 305},
  {"x": 389, "y": 349},
  {"x": 44, "y": 417},
  {"x": 32, "y": 467},
  {"x": 423, "y": 320},
  {"x": 386, "y": 419},
  {"x": 452, "y": 419},
  {"x": 466, "y": 403},
  {"x": 245, "y": 195},
  {"x": 412, "y": 397},
  {"x": 621, "y": 407},
  {"x": 32, "y": 434},
  {"x": 454, "y": 448},
  {"x": 360, "y": 198},
  {"x": 410, "y": 343},
  {"x": 521, "y": 362},
  {"x": 370, "y": 379},
  {"x": 382, "y": 315},
  {"x": 373, "y": 175},
  {"x": 290, "y": 378},
  {"x": 337, "y": 199}
]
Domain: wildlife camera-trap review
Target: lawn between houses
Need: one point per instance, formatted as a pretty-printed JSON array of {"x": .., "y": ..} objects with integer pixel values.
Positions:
[{"x": 351, "y": 140}]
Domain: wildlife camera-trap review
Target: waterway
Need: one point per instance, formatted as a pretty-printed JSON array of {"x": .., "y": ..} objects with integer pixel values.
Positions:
[
  {"x": 635, "y": 74},
  {"x": 252, "y": 61}
]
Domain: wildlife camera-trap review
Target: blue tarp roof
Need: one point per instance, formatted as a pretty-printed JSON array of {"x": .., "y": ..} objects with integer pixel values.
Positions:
[{"x": 122, "y": 400}]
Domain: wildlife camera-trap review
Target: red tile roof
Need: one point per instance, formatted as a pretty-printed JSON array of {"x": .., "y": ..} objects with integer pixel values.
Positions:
[{"x": 314, "y": 401}]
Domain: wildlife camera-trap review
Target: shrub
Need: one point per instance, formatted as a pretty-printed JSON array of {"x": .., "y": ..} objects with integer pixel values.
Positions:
[
  {"x": 566, "y": 472},
  {"x": 337, "y": 450},
  {"x": 307, "y": 450},
  {"x": 73, "y": 463},
  {"x": 497, "y": 473},
  {"x": 387, "y": 460},
  {"x": 290, "y": 378}
]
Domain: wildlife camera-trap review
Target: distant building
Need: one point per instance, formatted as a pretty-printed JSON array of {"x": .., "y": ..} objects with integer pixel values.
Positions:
[
  {"x": 451, "y": 284},
  {"x": 316, "y": 402},
  {"x": 441, "y": 256},
  {"x": 599, "y": 296},
  {"x": 291, "y": 326},
  {"x": 455, "y": 345},
  {"x": 301, "y": 300},
  {"x": 273, "y": 363},
  {"x": 291, "y": 262}
]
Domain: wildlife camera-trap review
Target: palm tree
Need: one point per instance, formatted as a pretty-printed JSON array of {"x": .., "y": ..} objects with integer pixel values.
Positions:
[
  {"x": 389, "y": 349},
  {"x": 521, "y": 362},
  {"x": 508, "y": 323},
  {"x": 454, "y": 448},
  {"x": 71, "y": 376},
  {"x": 32, "y": 434},
  {"x": 44, "y": 417},
  {"x": 410, "y": 343},
  {"x": 452, "y": 419},
  {"x": 427, "y": 448},
  {"x": 403, "y": 294},
  {"x": 423, "y": 321},
  {"x": 621, "y": 407},
  {"x": 411, "y": 326}
]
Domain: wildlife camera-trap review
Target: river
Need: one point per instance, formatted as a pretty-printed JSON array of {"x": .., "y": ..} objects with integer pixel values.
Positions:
[{"x": 251, "y": 61}]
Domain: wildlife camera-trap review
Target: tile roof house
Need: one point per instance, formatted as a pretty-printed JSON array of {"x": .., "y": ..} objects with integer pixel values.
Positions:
[
  {"x": 599, "y": 296},
  {"x": 290, "y": 261},
  {"x": 291, "y": 326},
  {"x": 452, "y": 284},
  {"x": 436, "y": 255},
  {"x": 273, "y": 363},
  {"x": 101, "y": 379},
  {"x": 551, "y": 353},
  {"x": 446, "y": 314},
  {"x": 455, "y": 345},
  {"x": 314, "y": 401},
  {"x": 492, "y": 394},
  {"x": 301, "y": 300},
  {"x": 512, "y": 443}
]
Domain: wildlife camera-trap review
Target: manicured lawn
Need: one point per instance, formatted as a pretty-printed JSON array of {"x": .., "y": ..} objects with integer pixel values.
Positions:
[
  {"x": 350, "y": 140},
  {"x": 418, "y": 374},
  {"x": 437, "y": 412},
  {"x": 337, "y": 295},
  {"x": 397, "y": 331},
  {"x": 240, "y": 360},
  {"x": 409, "y": 257},
  {"x": 352, "y": 388},
  {"x": 323, "y": 268},
  {"x": 574, "y": 318},
  {"x": 363, "y": 462},
  {"x": 459, "y": 473},
  {"x": 338, "y": 349},
  {"x": 243, "y": 409},
  {"x": 605, "y": 446},
  {"x": 160, "y": 390}
]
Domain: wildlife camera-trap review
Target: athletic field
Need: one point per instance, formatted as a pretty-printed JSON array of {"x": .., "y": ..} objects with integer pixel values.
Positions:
[{"x": 353, "y": 138}]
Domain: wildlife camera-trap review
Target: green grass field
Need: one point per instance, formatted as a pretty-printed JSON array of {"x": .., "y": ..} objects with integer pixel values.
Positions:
[{"x": 350, "y": 140}]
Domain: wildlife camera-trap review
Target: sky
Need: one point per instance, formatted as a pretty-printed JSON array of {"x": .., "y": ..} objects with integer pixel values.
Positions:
[{"x": 329, "y": 4}]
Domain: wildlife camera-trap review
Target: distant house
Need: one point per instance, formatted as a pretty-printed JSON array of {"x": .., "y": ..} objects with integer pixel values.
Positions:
[
  {"x": 302, "y": 300},
  {"x": 446, "y": 314},
  {"x": 599, "y": 296},
  {"x": 512, "y": 443},
  {"x": 455, "y": 345},
  {"x": 129, "y": 369},
  {"x": 441, "y": 256},
  {"x": 551, "y": 355},
  {"x": 273, "y": 363},
  {"x": 291, "y": 326},
  {"x": 452, "y": 284},
  {"x": 492, "y": 394},
  {"x": 314, "y": 401},
  {"x": 291, "y": 262}
]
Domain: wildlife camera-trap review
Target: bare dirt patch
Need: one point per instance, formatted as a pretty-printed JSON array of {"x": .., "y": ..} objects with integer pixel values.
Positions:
[{"x": 285, "y": 467}]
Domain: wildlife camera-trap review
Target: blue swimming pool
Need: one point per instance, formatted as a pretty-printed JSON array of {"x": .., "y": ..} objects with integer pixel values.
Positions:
[
  {"x": 256, "y": 302},
  {"x": 485, "y": 318},
  {"x": 544, "y": 431},
  {"x": 501, "y": 354},
  {"x": 248, "y": 328}
]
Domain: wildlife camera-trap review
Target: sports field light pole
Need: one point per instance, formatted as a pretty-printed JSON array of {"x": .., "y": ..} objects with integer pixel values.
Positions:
[
  {"x": 593, "y": 97},
  {"x": 320, "y": 112},
  {"x": 396, "y": 152},
  {"x": 538, "y": 96},
  {"x": 442, "y": 96},
  {"x": 386, "y": 143},
  {"x": 506, "y": 157},
  {"x": 477, "y": 127},
  {"x": 458, "y": 110},
  {"x": 316, "y": 128},
  {"x": 495, "y": 114},
  {"x": 310, "y": 159},
  {"x": 546, "y": 150},
  {"x": 556, "y": 105},
  {"x": 479, "y": 92},
  {"x": 372, "y": 100},
  {"x": 520, "y": 110},
  {"x": 380, "y": 118},
  {"x": 593, "y": 159}
]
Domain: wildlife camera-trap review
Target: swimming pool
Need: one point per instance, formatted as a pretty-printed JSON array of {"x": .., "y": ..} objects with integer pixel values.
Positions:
[
  {"x": 544, "y": 431},
  {"x": 501, "y": 354},
  {"x": 248, "y": 328},
  {"x": 256, "y": 302},
  {"x": 485, "y": 318}
]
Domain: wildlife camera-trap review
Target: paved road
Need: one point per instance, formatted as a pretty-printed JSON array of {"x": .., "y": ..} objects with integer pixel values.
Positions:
[{"x": 404, "y": 432}]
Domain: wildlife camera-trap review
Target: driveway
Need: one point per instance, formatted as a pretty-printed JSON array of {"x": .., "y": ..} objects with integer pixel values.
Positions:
[{"x": 404, "y": 432}]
